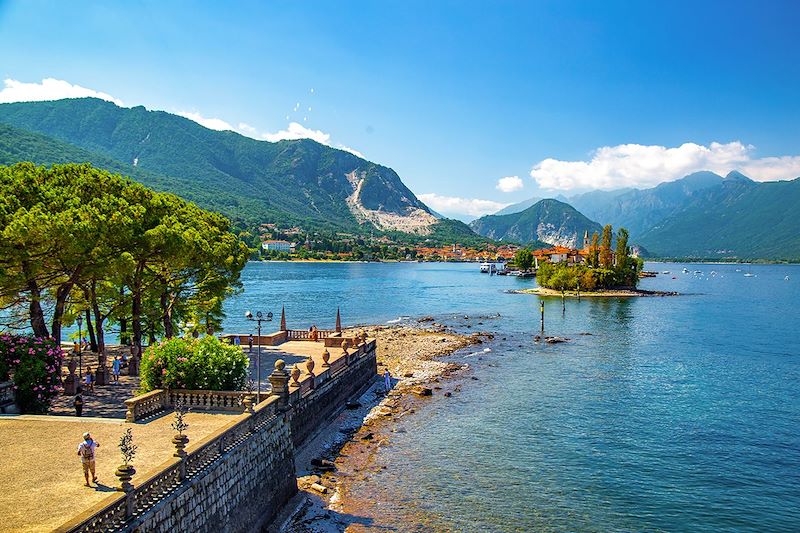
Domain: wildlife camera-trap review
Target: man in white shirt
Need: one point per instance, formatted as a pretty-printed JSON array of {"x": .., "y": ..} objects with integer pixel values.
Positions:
[{"x": 86, "y": 451}]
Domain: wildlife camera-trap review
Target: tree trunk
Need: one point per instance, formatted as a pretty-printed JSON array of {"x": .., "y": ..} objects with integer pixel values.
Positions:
[
  {"x": 90, "y": 329},
  {"x": 62, "y": 293},
  {"x": 38, "y": 323},
  {"x": 136, "y": 307},
  {"x": 166, "y": 313},
  {"x": 98, "y": 320}
]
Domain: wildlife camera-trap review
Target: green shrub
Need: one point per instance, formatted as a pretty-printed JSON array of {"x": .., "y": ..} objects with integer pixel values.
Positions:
[{"x": 205, "y": 363}]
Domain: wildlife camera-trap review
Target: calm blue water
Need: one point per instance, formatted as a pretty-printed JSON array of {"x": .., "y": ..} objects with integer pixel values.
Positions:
[{"x": 675, "y": 414}]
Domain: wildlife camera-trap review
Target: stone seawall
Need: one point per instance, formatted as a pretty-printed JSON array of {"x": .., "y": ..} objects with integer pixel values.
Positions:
[
  {"x": 314, "y": 410},
  {"x": 243, "y": 491}
]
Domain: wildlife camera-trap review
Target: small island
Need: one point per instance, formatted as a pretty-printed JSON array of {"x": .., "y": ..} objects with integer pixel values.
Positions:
[{"x": 595, "y": 270}]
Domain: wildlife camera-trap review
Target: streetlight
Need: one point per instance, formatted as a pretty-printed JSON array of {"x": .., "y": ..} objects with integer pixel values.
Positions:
[
  {"x": 79, "y": 320},
  {"x": 259, "y": 318}
]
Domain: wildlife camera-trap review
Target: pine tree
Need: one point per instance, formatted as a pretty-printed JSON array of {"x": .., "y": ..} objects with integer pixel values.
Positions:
[{"x": 606, "y": 260}]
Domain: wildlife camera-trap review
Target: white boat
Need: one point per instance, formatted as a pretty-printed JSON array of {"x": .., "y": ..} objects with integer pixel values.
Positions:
[
  {"x": 749, "y": 275},
  {"x": 665, "y": 272},
  {"x": 685, "y": 270},
  {"x": 488, "y": 268}
]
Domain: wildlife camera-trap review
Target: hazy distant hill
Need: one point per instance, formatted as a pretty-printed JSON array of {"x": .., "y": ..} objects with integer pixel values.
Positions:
[
  {"x": 518, "y": 207},
  {"x": 298, "y": 181},
  {"x": 548, "y": 221},
  {"x": 639, "y": 210},
  {"x": 737, "y": 218}
]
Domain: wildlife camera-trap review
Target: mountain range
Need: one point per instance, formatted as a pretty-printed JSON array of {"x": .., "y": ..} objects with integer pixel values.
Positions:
[
  {"x": 702, "y": 215},
  {"x": 293, "y": 181},
  {"x": 302, "y": 182}
]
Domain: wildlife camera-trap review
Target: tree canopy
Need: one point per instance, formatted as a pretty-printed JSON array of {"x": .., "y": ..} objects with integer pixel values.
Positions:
[{"x": 77, "y": 239}]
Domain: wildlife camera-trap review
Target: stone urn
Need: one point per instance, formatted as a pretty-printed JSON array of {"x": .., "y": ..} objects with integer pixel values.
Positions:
[
  {"x": 71, "y": 366},
  {"x": 248, "y": 403},
  {"x": 180, "y": 441},
  {"x": 296, "y": 375},
  {"x": 364, "y": 337},
  {"x": 125, "y": 474},
  {"x": 310, "y": 366},
  {"x": 345, "y": 345},
  {"x": 326, "y": 356}
]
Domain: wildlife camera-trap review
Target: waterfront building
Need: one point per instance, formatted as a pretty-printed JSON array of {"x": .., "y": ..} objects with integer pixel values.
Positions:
[{"x": 277, "y": 246}]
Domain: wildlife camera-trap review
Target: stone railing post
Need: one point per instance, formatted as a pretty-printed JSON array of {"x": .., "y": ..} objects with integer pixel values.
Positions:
[{"x": 279, "y": 379}]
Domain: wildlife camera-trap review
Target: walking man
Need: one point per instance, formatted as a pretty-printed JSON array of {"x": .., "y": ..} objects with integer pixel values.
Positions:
[
  {"x": 250, "y": 343},
  {"x": 116, "y": 366},
  {"x": 237, "y": 341},
  {"x": 387, "y": 381},
  {"x": 86, "y": 451},
  {"x": 78, "y": 401}
]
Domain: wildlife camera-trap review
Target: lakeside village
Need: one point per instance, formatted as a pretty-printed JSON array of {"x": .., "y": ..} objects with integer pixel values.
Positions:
[{"x": 597, "y": 265}]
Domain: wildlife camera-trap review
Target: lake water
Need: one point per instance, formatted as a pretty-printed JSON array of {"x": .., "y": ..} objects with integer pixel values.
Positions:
[{"x": 675, "y": 414}]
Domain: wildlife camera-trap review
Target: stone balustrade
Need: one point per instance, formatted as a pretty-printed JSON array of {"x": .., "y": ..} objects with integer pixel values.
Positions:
[
  {"x": 158, "y": 400},
  {"x": 145, "y": 405}
]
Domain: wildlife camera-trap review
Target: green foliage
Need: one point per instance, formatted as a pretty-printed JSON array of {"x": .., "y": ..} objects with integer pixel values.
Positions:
[
  {"x": 36, "y": 367},
  {"x": 562, "y": 277},
  {"x": 119, "y": 249},
  {"x": 205, "y": 363},
  {"x": 605, "y": 257},
  {"x": 523, "y": 259}
]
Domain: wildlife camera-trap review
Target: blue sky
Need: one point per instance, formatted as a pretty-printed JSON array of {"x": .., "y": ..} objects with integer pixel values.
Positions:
[{"x": 564, "y": 96}]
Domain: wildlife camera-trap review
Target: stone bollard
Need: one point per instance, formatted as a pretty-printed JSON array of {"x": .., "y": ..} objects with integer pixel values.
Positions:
[
  {"x": 71, "y": 381},
  {"x": 101, "y": 376},
  {"x": 326, "y": 356},
  {"x": 279, "y": 379}
]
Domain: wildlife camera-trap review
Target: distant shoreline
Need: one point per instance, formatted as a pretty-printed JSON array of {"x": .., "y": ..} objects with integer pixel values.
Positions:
[{"x": 621, "y": 293}]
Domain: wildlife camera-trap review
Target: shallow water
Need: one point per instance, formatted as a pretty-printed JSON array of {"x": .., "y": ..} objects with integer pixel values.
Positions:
[{"x": 675, "y": 414}]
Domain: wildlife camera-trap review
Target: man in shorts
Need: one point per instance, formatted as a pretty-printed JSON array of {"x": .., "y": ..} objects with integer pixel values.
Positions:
[{"x": 86, "y": 451}]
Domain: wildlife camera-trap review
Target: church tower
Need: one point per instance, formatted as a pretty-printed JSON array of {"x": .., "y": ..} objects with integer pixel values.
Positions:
[{"x": 586, "y": 240}]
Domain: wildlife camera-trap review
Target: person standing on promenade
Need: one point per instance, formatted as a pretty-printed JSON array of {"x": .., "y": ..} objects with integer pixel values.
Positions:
[
  {"x": 250, "y": 343},
  {"x": 86, "y": 451},
  {"x": 78, "y": 401},
  {"x": 387, "y": 381},
  {"x": 116, "y": 366},
  {"x": 89, "y": 380},
  {"x": 237, "y": 341}
]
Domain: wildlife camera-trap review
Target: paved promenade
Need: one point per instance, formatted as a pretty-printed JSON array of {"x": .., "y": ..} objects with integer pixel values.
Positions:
[{"x": 42, "y": 474}]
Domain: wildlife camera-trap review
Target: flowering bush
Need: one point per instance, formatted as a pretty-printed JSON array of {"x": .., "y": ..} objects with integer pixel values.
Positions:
[
  {"x": 205, "y": 363},
  {"x": 35, "y": 364}
]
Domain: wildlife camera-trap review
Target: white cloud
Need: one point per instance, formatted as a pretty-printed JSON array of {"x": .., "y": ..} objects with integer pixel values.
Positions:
[
  {"x": 296, "y": 131},
  {"x": 509, "y": 184},
  {"x": 636, "y": 165},
  {"x": 351, "y": 150},
  {"x": 210, "y": 123},
  {"x": 453, "y": 205},
  {"x": 49, "y": 89}
]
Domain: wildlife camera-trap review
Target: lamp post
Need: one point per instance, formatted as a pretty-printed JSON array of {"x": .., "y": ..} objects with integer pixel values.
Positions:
[
  {"x": 79, "y": 320},
  {"x": 258, "y": 319}
]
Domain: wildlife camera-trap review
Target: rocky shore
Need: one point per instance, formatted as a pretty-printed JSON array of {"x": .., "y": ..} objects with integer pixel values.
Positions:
[{"x": 342, "y": 455}]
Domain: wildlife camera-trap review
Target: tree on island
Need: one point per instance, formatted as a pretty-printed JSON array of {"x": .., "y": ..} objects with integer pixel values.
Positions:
[
  {"x": 606, "y": 260},
  {"x": 602, "y": 269}
]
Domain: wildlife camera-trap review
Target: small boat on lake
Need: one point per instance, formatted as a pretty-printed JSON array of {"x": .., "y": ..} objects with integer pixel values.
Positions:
[
  {"x": 685, "y": 270},
  {"x": 488, "y": 268}
]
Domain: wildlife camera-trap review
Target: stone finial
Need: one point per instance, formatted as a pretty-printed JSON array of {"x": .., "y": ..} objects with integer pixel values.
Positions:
[
  {"x": 283, "y": 318},
  {"x": 310, "y": 365},
  {"x": 326, "y": 356},
  {"x": 296, "y": 375},
  {"x": 279, "y": 379},
  {"x": 345, "y": 345},
  {"x": 338, "y": 321}
]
